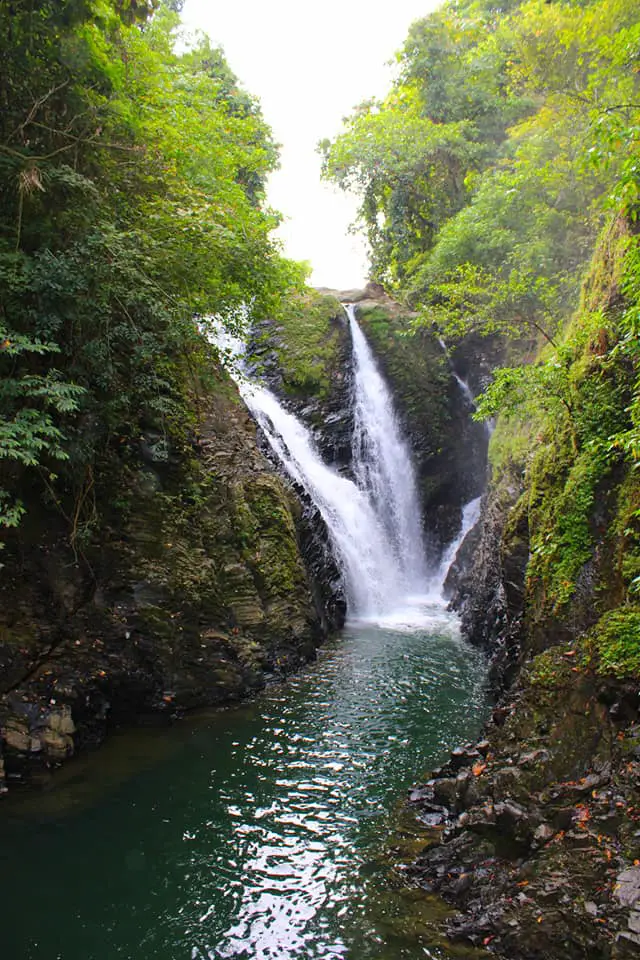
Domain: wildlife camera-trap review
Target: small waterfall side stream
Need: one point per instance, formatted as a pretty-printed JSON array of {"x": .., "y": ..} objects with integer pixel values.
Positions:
[{"x": 257, "y": 832}]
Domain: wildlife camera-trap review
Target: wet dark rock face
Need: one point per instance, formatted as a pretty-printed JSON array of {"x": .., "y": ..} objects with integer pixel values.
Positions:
[
  {"x": 325, "y": 578},
  {"x": 533, "y": 833},
  {"x": 435, "y": 406},
  {"x": 195, "y": 593},
  {"x": 486, "y": 582},
  {"x": 315, "y": 382}
]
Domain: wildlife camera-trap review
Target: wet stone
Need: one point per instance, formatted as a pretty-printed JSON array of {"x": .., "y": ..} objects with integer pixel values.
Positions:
[
  {"x": 544, "y": 833},
  {"x": 533, "y": 758},
  {"x": 627, "y": 888},
  {"x": 419, "y": 794},
  {"x": 506, "y": 781},
  {"x": 433, "y": 818},
  {"x": 445, "y": 791},
  {"x": 463, "y": 757}
]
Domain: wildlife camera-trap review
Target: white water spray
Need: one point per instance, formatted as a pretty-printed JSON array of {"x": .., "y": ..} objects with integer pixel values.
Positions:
[
  {"x": 361, "y": 545},
  {"x": 465, "y": 389},
  {"x": 470, "y": 516},
  {"x": 374, "y": 521},
  {"x": 382, "y": 464}
]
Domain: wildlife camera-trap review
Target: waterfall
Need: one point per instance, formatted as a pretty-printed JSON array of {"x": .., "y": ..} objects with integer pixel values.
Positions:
[
  {"x": 470, "y": 516},
  {"x": 465, "y": 388},
  {"x": 374, "y": 520},
  {"x": 382, "y": 463},
  {"x": 359, "y": 540}
]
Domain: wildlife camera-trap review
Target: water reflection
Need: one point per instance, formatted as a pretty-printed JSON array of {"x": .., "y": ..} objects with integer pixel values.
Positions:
[{"x": 257, "y": 837}]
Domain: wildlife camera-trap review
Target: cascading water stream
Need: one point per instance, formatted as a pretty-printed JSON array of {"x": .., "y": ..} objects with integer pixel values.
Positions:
[
  {"x": 382, "y": 464},
  {"x": 374, "y": 521},
  {"x": 359, "y": 539},
  {"x": 470, "y": 516},
  {"x": 465, "y": 389}
]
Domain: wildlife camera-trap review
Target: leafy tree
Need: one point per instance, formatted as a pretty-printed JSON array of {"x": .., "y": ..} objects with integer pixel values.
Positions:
[
  {"x": 131, "y": 201},
  {"x": 487, "y": 173}
]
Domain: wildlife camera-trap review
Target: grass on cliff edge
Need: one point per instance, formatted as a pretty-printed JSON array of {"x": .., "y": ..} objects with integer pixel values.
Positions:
[{"x": 307, "y": 343}]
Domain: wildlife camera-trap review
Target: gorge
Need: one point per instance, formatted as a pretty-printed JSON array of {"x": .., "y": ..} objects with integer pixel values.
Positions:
[
  {"x": 335, "y": 653},
  {"x": 255, "y": 831}
]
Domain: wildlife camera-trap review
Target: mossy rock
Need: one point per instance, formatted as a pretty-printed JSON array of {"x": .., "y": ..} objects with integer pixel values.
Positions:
[
  {"x": 303, "y": 344},
  {"x": 192, "y": 591},
  {"x": 613, "y": 645}
]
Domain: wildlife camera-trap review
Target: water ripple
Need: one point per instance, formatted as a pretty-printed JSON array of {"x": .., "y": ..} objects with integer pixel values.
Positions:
[{"x": 256, "y": 840}]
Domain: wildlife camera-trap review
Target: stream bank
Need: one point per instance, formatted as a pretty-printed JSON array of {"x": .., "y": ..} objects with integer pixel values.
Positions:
[
  {"x": 252, "y": 831},
  {"x": 193, "y": 592},
  {"x": 534, "y": 832}
]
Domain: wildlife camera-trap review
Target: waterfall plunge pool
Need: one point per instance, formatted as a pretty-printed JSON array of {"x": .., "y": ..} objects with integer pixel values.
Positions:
[
  {"x": 258, "y": 832},
  {"x": 251, "y": 832}
]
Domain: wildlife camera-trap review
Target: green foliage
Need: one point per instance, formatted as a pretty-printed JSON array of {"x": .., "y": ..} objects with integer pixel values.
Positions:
[
  {"x": 627, "y": 439},
  {"x": 132, "y": 200},
  {"x": 527, "y": 391},
  {"x": 627, "y": 531},
  {"x": 512, "y": 442},
  {"x": 487, "y": 171},
  {"x": 614, "y": 643},
  {"x": 550, "y": 670},
  {"x": 561, "y": 521}
]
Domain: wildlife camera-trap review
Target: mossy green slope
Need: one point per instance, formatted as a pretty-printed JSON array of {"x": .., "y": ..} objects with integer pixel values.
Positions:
[
  {"x": 551, "y": 803},
  {"x": 304, "y": 345}
]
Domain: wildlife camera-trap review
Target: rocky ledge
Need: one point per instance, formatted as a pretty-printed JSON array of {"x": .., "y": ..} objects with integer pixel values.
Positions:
[{"x": 533, "y": 833}]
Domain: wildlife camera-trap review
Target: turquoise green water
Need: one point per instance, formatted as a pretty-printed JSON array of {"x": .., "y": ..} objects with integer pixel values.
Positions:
[{"x": 253, "y": 832}]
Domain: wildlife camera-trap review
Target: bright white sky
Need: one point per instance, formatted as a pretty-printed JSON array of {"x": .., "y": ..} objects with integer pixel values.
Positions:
[{"x": 310, "y": 65}]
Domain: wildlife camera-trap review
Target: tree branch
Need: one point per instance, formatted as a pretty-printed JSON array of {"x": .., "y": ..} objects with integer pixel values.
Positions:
[{"x": 36, "y": 106}]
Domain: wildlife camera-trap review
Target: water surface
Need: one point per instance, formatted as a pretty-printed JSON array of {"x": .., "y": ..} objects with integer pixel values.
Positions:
[{"x": 253, "y": 832}]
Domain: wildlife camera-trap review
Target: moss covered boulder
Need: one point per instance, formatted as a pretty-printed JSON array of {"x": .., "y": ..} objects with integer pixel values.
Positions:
[{"x": 305, "y": 358}]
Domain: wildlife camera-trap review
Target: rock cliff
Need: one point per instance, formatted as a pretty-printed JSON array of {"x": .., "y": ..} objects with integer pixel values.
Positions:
[
  {"x": 534, "y": 832},
  {"x": 306, "y": 360},
  {"x": 193, "y": 592}
]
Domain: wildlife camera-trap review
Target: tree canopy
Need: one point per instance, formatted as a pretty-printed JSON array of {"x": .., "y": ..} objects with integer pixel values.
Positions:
[
  {"x": 132, "y": 201},
  {"x": 489, "y": 169}
]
